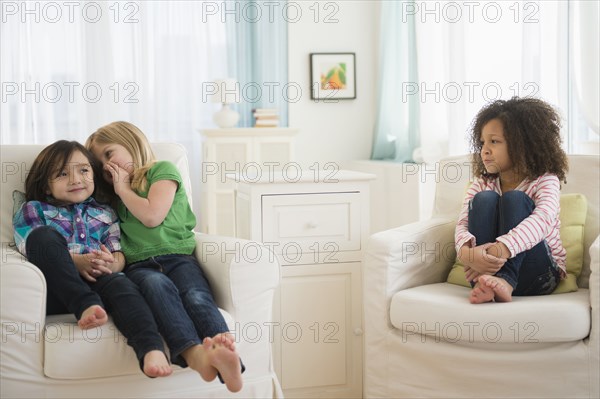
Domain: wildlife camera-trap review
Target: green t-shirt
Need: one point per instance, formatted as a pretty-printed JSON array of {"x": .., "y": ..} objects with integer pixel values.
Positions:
[{"x": 173, "y": 236}]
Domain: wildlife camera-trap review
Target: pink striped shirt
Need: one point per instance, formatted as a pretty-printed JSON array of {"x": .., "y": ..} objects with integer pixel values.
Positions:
[{"x": 542, "y": 224}]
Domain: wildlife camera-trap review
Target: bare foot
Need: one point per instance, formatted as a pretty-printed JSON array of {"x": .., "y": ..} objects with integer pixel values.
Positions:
[
  {"x": 502, "y": 290},
  {"x": 197, "y": 359},
  {"x": 156, "y": 364},
  {"x": 225, "y": 360},
  {"x": 490, "y": 288},
  {"x": 481, "y": 293},
  {"x": 224, "y": 339},
  {"x": 213, "y": 357},
  {"x": 94, "y": 316}
]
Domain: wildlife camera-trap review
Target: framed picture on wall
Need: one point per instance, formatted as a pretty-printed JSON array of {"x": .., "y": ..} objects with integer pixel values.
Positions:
[{"x": 333, "y": 76}]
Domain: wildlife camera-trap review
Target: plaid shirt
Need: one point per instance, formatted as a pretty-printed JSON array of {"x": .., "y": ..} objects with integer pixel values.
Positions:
[{"x": 85, "y": 225}]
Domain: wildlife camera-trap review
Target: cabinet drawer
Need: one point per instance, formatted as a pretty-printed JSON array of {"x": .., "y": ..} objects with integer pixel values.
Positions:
[{"x": 310, "y": 223}]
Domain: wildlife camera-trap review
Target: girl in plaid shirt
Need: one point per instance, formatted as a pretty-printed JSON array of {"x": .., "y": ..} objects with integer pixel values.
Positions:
[
  {"x": 507, "y": 235},
  {"x": 74, "y": 241}
]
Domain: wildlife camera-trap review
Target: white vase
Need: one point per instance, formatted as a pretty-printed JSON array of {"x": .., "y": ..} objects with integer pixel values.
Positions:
[{"x": 226, "y": 117}]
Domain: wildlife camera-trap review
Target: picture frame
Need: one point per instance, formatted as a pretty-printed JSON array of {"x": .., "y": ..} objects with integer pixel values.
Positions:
[{"x": 333, "y": 76}]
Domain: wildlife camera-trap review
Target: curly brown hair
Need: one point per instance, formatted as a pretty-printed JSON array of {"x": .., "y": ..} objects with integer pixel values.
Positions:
[{"x": 532, "y": 131}]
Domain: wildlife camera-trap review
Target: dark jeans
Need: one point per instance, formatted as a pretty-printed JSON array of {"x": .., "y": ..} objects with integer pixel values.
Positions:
[
  {"x": 181, "y": 300},
  {"x": 532, "y": 272},
  {"x": 68, "y": 292}
]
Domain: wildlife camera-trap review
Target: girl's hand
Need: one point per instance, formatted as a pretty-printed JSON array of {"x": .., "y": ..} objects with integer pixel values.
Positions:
[
  {"x": 102, "y": 256},
  {"x": 480, "y": 260},
  {"x": 114, "y": 261},
  {"x": 121, "y": 179},
  {"x": 89, "y": 267},
  {"x": 499, "y": 250},
  {"x": 471, "y": 275}
]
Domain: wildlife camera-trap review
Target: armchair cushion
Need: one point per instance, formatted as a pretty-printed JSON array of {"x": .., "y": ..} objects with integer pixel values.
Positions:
[
  {"x": 68, "y": 350},
  {"x": 573, "y": 211},
  {"x": 442, "y": 312}
]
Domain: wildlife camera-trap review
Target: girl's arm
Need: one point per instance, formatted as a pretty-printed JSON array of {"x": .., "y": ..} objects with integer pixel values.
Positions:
[
  {"x": 151, "y": 211},
  {"x": 461, "y": 234},
  {"x": 29, "y": 217}
]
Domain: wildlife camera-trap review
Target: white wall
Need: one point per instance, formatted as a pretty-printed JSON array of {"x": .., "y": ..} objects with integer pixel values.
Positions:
[
  {"x": 401, "y": 193},
  {"x": 344, "y": 130}
]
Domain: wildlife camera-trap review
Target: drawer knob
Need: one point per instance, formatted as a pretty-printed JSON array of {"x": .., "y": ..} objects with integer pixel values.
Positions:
[
  {"x": 311, "y": 225},
  {"x": 358, "y": 331}
]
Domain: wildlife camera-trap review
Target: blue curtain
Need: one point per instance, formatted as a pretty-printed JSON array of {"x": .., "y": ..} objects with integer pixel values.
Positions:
[
  {"x": 397, "y": 124},
  {"x": 258, "y": 58}
]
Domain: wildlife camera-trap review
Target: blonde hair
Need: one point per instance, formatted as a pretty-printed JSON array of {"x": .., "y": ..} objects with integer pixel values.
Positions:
[{"x": 135, "y": 142}]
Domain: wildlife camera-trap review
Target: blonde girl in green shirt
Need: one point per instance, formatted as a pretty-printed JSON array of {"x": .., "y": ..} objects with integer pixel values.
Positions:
[{"x": 158, "y": 243}]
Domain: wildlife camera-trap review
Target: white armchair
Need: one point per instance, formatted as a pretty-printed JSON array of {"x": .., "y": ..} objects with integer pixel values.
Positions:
[
  {"x": 51, "y": 357},
  {"x": 424, "y": 339}
]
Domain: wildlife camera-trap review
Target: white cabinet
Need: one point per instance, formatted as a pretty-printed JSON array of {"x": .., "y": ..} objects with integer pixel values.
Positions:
[
  {"x": 237, "y": 150},
  {"x": 317, "y": 227}
]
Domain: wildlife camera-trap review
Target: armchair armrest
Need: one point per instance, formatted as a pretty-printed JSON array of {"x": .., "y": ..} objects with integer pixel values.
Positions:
[
  {"x": 243, "y": 275},
  {"x": 411, "y": 255},
  {"x": 408, "y": 256},
  {"x": 23, "y": 292},
  {"x": 594, "y": 338},
  {"x": 594, "y": 284},
  {"x": 22, "y": 314}
]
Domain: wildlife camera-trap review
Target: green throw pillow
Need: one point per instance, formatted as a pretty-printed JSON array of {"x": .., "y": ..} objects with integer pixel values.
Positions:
[
  {"x": 18, "y": 200},
  {"x": 573, "y": 210}
]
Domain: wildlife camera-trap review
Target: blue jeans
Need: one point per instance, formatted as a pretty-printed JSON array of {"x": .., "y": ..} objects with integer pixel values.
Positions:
[
  {"x": 68, "y": 292},
  {"x": 532, "y": 272},
  {"x": 181, "y": 300}
]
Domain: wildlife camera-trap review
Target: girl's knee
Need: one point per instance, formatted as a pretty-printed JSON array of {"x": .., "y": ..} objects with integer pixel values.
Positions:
[
  {"x": 150, "y": 281},
  {"x": 117, "y": 281},
  {"x": 485, "y": 198},
  {"x": 45, "y": 244},
  {"x": 516, "y": 199},
  {"x": 514, "y": 195},
  {"x": 198, "y": 297},
  {"x": 45, "y": 235},
  {"x": 486, "y": 195}
]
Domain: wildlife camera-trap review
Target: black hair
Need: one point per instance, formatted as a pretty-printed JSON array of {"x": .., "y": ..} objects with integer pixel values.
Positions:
[{"x": 49, "y": 163}]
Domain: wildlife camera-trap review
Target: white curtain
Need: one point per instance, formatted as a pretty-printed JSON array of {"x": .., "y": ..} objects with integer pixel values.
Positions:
[
  {"x": 474, "y": 52},
  {"x": 258, "y": 59},
  {"x": 70, "y": 67},
  {"x": 584, "y": 40},
  {"x": 397, "y": 126}
]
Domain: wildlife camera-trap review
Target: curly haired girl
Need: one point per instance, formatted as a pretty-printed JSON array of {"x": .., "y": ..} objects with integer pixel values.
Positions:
[{"x": 507, "y": 235}]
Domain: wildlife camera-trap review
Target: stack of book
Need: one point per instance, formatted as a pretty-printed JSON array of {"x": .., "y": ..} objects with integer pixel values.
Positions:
[{"x": 266, "y": 117}]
